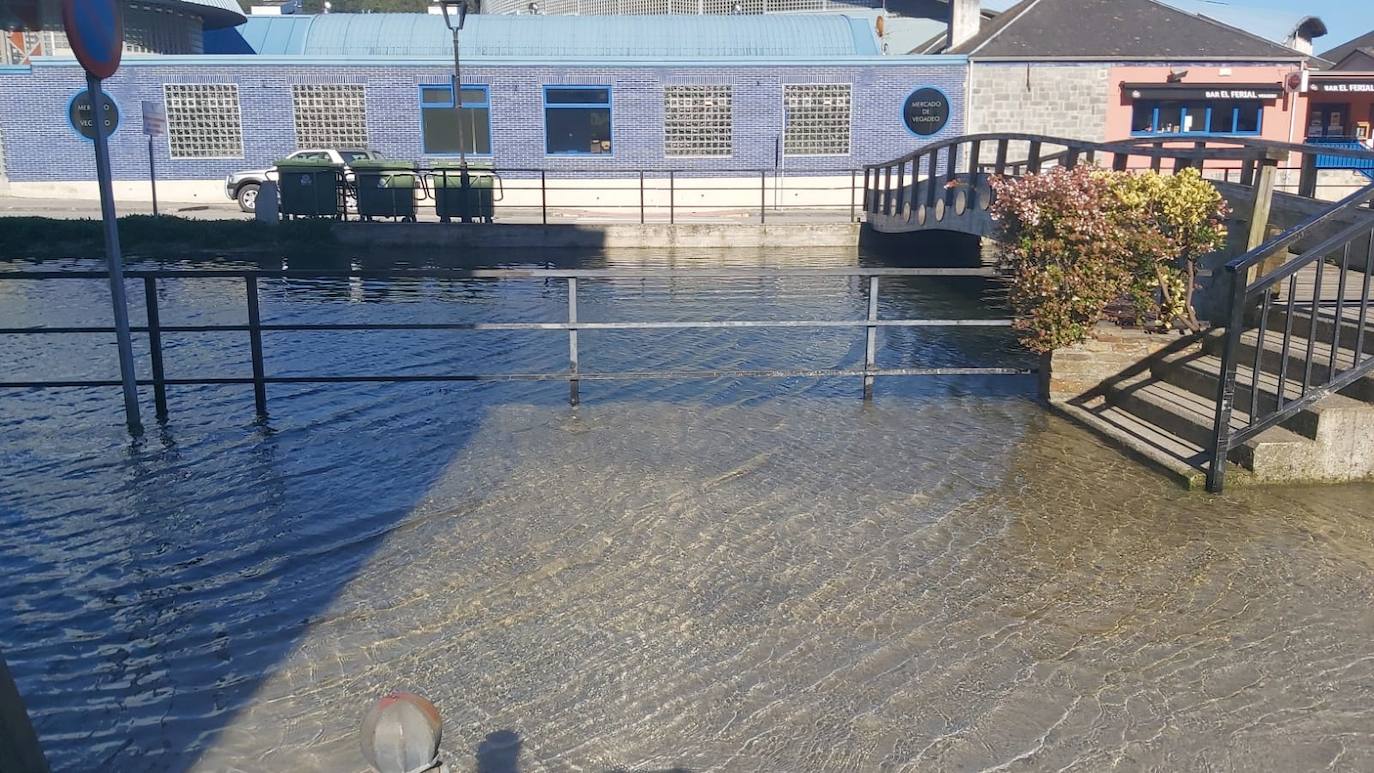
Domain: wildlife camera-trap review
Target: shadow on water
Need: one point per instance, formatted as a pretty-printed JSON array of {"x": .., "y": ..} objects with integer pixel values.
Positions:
[
  {"x": 152, "y": 587},
  {"x": 499, "y": 752}
]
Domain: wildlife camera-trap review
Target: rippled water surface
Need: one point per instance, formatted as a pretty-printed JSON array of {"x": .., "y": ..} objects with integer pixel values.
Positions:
[{"x": 720, "y": 575}]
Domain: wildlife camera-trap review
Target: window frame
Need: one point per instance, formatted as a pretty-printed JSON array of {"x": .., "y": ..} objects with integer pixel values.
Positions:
[
  {"x": 848, "y": 152},
  {"x": 608, "y": 105},
  {"x": 730, "y": 114},
  {"x": 453, "y": 96},
  {"x": 1212, "y": 106},
  {"x": 238, "y": 105},
  {"x": 296, "y": 92}
]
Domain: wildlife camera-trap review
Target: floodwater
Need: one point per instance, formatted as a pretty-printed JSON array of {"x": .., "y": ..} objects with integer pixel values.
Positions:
[{"x": 719, "y": 575}]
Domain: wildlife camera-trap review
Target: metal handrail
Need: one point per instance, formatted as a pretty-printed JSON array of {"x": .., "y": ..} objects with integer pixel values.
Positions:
[
  {"x": 1248, "y": 293},
  {"x": 255, "y": 327}
]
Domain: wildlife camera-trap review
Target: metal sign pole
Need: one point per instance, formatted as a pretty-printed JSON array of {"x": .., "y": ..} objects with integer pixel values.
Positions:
[
  {"x": 152, "y": 173},
  {"x": 113, "y": 258}
]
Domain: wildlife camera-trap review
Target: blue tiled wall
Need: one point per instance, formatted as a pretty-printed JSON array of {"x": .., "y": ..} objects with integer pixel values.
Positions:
[{"x": 41, "y": 146}]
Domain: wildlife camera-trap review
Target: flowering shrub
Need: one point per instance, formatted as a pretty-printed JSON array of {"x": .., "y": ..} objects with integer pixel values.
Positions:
[{"x": 1077, "y": 240}]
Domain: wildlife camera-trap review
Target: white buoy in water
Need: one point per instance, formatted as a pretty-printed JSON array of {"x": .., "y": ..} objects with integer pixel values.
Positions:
[{"x": 401, "y": 734}]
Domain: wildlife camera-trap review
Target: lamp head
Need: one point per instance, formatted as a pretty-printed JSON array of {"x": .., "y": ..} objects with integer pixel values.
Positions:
[{"x": 454, "y": 10}]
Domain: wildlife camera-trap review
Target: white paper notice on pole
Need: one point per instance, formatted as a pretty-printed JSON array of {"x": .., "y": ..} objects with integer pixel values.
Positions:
[{"x": 154, "y": 119}]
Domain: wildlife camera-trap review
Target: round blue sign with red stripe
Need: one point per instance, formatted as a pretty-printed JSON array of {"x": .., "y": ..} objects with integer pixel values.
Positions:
[{"x": 95, "y": 29}]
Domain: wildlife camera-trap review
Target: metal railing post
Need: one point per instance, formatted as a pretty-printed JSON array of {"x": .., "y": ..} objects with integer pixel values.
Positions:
[
  {"x": 641, "y": 197},
  {"x": 155, "y": 346},
  {"x": 573, "y": 382},
  {"x": 763, "y": 196},
  {"x": 871, "y": 339},
  {"x": 869, "y": 198},
  {"x": 853, "y": 200},
  {"x": 543, "y": 199},
  {"x": 672, "y": 197},
  {"x": 255, "y": 343},
  {"x": 1226, "y": 389}
]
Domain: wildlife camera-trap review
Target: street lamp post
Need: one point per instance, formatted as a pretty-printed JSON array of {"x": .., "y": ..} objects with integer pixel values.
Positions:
[{"x": 460, "y": 8}]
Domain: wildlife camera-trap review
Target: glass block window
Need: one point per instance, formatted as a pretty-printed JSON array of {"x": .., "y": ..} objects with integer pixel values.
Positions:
[
  {"x": 817, "y": 119},
  {"x": 330, "y": 115},
  {"x": 697, "y": 121},
  {"x": 203, "y": 120}
]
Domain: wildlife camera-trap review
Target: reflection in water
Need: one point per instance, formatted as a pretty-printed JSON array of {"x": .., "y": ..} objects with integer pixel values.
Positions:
[{"x": 708, "y": 576}]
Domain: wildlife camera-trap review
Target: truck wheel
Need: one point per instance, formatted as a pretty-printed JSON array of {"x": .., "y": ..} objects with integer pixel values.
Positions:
[{"x": 248, "y": 197}]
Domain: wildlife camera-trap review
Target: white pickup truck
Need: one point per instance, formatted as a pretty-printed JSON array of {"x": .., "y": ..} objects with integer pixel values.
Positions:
[{"x": 243, "y": 186}]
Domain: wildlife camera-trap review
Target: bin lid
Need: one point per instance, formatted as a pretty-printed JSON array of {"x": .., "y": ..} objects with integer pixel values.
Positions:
[
  {"x": 303, "y": 164},
  {"x": 473, "y": 166},
  {"x": 383, "y": 164}
]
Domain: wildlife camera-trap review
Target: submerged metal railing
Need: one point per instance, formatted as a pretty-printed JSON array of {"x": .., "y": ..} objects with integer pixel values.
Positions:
[{"x": 255, "y": 327}]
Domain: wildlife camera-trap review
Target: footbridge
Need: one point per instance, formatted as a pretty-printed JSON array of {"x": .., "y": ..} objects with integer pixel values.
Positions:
[
  {"x": 1281, "y": 388},
  {"x": 944, "y": 186}
]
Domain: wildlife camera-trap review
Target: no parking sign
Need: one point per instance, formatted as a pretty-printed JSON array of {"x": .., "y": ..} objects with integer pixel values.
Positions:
[{"x": 95, "y": 29}]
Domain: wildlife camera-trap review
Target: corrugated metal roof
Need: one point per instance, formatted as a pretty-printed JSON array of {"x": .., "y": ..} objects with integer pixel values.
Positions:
[
  {"x": 272, "y": 35},
  {"x": 801, "y": 36}
]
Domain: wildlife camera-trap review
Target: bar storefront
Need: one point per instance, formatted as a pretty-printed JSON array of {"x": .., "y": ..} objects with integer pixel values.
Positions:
[{"x": 1340, "y": 106}]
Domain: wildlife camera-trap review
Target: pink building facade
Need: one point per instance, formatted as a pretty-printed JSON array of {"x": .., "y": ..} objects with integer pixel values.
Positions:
[{"x": 1201, "y": 101}]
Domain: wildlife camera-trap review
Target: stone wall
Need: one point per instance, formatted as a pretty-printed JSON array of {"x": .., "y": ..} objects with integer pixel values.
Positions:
[
  {"x": 1074, "y": 371},
  {"x": 1060, "y": 100}
]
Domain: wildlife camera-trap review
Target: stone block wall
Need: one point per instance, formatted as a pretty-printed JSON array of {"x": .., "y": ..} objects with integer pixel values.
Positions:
[
  {"x": 1074, "y": 371},
  {"x": 1060, "y": 100}
]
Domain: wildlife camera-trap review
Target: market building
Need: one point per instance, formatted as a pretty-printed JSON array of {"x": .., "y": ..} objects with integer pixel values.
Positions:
[{"x": 608, "y": 96}]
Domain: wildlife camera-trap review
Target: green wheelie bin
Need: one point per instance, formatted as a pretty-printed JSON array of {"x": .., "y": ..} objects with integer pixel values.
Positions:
[
  {"x": 449, "y": 202},
  {"x": 309, "y": 188},
  {"x": 385, "y": 188}
]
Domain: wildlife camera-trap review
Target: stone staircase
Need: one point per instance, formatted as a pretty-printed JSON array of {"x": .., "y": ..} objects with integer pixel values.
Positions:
[{"x": 1163, "y": 411}]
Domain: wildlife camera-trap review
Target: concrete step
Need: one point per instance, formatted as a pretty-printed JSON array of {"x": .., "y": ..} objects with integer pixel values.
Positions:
[
  {"x": 1200, "y": 373},
  {"x": 1175, "y": 457},
  {"x": 1326, "y": 325},
  {"x": 1189, "y": 416},
  {"x": 1271, "y": 359}
]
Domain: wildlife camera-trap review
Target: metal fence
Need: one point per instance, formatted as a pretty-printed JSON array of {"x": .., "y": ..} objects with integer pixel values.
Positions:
[
  {"x": 255, "y": 327},
  {"x": 643, "y": 196}
]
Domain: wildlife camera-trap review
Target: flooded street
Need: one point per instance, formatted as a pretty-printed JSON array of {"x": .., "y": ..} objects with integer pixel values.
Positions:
[{"x": 727, "y": 575}]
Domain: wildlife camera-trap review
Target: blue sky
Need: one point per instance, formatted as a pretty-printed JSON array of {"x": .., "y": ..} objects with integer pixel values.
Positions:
[{"x": 1345, "y": 19}]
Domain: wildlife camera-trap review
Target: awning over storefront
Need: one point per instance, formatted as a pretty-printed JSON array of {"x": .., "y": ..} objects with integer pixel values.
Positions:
[{"x": 1210, "y": 91}]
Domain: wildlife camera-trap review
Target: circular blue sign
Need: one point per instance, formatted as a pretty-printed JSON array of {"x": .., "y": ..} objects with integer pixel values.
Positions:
[
  {"x": 86, "y": 121},
  {"x": 95, "y": 30},
  {"x": 926, "y": 111}
]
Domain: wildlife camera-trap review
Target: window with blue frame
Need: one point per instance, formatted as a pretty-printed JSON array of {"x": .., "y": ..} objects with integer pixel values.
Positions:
[
  {"x": 439, "y": 121},
  {"x": 577, "y": 120},
  {"x": 1155, "y": 116}
]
